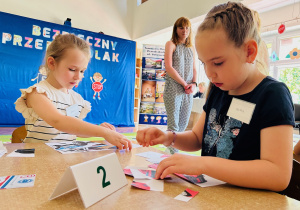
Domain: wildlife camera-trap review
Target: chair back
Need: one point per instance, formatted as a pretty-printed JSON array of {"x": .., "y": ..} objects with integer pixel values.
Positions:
[
  {"x": 293, "y": 189},
  {"x": 19, "y": 134},
  {"x": 297, "y": 112}
]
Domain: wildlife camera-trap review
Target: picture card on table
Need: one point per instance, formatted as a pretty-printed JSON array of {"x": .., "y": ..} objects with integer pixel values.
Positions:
[
  {"x": 67, "y": 147},
  {"x": 201, "y": 180},
  {"x": 16, "y": 181},
  {"x": 186, "y": 195},
  {"x": 149, "y": 184},
  {"x": 94, "y": 179},
  {"x": 139, "y": 173}
]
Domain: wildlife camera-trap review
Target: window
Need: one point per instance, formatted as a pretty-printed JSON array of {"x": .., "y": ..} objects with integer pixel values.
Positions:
[
  {"x": 289, "y": 48},
  {"x": 284, "y": 52}
]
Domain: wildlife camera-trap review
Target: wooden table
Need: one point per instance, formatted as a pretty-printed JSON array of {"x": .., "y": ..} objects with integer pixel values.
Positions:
[{"x": 49, "y": 166}]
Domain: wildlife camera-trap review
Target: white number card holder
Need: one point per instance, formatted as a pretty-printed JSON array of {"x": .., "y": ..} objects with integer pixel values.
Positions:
[{"x": 95, "y": 179}]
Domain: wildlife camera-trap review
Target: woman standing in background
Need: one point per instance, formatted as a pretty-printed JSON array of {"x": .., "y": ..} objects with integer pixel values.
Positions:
[{"x": 181, "y": 76}]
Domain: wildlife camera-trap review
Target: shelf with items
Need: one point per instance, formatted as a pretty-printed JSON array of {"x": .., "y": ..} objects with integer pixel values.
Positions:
[{"x": 137, "y": 90}]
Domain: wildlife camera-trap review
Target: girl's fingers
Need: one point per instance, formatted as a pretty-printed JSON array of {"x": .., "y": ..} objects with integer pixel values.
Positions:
[
  {"x": 140, "y": 137},
  {"x": 162, "y": 166}
]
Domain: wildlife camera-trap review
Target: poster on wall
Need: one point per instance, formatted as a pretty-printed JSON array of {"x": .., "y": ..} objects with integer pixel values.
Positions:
[
  {"x": 108, "y": 82},
  {"x": 152, "y": 109}
]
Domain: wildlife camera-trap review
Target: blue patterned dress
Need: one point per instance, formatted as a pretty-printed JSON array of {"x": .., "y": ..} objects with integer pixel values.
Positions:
[{"x": 179, "y": 104}]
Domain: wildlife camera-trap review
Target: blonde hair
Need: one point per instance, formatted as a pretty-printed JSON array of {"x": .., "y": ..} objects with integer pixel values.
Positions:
[
  {"x": 182, "y": 22},
  {"x": 61, "y": 43},
  {"x": 236, "y": 20},
  {"x": 262, "y": 58},
  {"x": 201, "y": 84}
]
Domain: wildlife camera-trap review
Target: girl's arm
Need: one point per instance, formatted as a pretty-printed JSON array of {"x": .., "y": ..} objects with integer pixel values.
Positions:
[
  {"x": 169, "y": 49},
  {"x": 272, "y": 171},
  {"x": 48, "y": 112},
  {"x": 187, "y": 141}
]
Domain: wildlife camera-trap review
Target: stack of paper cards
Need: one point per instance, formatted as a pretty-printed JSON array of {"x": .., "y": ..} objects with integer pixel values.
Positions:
[
  {"x": 201, "y": 180},
  {"x": 144, "y": 179},
  {"x": 17, "y": 181},
  {"x": 78, "y": 146}
]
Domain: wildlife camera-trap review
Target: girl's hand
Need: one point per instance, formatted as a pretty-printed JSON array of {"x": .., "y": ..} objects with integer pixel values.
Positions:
[
  {"x": 178, "y": 163},
  {"x": 118, "y": 140},
  {"x": 109, "y": 126},
  {"x": 152, "y": 136}
]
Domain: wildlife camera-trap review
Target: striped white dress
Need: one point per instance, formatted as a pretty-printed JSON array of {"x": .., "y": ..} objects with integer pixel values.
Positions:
[{"x": 37, "y": 129}]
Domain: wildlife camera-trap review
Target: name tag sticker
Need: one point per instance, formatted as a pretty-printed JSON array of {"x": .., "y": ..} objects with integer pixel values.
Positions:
[
  {"x": 73, "y": 111},
  {"x": 241, "y": 110}
]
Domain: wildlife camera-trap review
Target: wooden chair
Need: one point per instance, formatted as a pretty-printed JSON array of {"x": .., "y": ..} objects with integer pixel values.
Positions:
[
  {"x": 19, "y": 135},
  {"x": 293, "y": 189}
]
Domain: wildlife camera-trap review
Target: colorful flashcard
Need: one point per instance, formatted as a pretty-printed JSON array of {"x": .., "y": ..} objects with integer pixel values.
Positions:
[
  {"x": 146, "y": 172},
  {"x": 149, "y": 184},
  {"x": 17, "y": 181},
  {"x": 186, "y": 195},
  {"x": 195, "y": 179},
  {"x": 78, "y": 146},
  {"x": 201, "y": 180}
]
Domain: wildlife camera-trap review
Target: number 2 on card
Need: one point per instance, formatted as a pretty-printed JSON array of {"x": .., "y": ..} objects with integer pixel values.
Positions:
[{"x": 104, "y": 184}]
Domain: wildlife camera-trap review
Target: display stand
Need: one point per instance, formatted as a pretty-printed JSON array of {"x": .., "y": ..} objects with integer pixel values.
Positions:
[{"x": 152, "y": 109}]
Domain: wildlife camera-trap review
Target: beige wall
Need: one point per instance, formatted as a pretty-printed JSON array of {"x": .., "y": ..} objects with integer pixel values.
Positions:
[
  {"x": 113, "y": 17},
  {"x": 156, "y": 15},
  {"x": 124, "y": 19}
]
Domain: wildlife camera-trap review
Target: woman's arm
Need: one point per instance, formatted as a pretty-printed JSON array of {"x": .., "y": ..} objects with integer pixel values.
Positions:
[
  {"x": 194, "y": 66},
  {"x": 191, "y": 87},
  {"x": 48, "y": 112},
  {"x": 272, "y": 171},
  {"x": 169, "y": 49}
]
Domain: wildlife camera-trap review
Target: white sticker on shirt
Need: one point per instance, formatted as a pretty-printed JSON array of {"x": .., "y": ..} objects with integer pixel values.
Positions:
[
  {"x": 73, "y": 111},
  {"x": 241, "y": 110}
]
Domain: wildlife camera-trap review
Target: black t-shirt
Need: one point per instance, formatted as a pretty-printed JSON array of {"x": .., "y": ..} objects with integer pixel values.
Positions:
[{"x": 230, "y": 138}]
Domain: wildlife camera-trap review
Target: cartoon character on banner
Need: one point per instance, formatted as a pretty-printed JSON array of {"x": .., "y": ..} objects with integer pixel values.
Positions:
[
  {"x": 152, "y": 118},
  {"x": 42, "y": 75},
  {"x": 146, "y": 118},
  {"x": 158, "y": 118},
  {"x": 97, "y": 86},
  {"x": 165, "y": 119}
]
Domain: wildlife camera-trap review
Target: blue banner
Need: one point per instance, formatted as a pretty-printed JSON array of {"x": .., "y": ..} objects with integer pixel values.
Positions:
[{"x": 22, "y": 49}]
